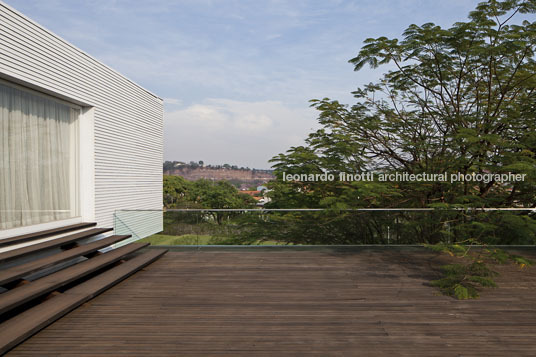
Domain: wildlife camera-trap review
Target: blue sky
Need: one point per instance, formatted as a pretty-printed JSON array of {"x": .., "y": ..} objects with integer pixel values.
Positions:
[{"x": 236, "y": 75}]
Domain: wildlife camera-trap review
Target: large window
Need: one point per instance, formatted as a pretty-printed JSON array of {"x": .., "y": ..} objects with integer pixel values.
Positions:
[{"x": 38, "y": 158}]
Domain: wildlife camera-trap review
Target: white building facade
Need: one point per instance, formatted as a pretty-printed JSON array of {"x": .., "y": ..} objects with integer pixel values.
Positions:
[{"x": 78, "y": 141}]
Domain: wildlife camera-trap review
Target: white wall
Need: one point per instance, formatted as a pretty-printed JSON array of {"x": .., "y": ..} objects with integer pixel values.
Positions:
[{"x": 128, "y": 120}]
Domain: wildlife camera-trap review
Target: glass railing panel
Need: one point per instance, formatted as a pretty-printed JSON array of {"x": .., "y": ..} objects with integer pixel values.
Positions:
[
  {"x": 137, "y": 223},
  {"x": 272, "y": 227}
]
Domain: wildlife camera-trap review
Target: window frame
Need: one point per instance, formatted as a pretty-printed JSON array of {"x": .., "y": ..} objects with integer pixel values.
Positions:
[{"x": 76, "y": 206}]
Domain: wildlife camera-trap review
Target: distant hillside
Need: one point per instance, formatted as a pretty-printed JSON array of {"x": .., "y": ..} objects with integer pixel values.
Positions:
[{"x": 241, "y": 177}]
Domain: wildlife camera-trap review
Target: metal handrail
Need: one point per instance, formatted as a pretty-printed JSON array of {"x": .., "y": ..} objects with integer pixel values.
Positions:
[{"x": 484, "y": 209}]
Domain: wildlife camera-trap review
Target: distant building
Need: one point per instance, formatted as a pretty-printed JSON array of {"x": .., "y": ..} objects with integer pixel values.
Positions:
[
  {"x": 258, "y": 195},
  {"x": 251, "y": 193},
  {"x": 265, "y": 199}
]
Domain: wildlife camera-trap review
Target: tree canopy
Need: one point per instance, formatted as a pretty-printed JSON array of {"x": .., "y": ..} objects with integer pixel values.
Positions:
[
  {"x": 180, "y": 193},
  {"x": 455, "y": 100},
  {"x": 459, "y": 99}
]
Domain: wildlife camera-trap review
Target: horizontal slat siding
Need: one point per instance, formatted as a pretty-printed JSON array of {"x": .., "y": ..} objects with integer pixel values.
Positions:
[
  {"x": 79, "y": 62},
  {"x": 128, "y": 119}
]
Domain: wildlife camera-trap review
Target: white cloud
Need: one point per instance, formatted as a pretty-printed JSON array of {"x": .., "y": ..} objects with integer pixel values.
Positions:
[
  {"x": 247, "y": 117},
  {"x": 205, "y": 117},
  {"x": 172, "y": 101},
  {"x": 253, "y": 122},
  {"x": 236, "y": 132}
]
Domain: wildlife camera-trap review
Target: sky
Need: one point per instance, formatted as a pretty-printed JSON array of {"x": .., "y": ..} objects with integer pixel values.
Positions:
[{"x": 236, "y": 75}]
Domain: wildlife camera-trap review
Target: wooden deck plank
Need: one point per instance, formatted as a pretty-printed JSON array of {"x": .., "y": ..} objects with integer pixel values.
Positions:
[
  {"x": 24, "y": 325},
  {"x": 22, "y": 294},
  {"x": 267, "y": 303},
  {"x": 19, "y": 271},
  {"x": 20, "y": 252},
  {"x": 46, "y": 233}
]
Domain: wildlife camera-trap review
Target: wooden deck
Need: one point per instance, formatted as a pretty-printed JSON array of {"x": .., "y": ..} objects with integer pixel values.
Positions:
[{"x": 271, "y": 303}]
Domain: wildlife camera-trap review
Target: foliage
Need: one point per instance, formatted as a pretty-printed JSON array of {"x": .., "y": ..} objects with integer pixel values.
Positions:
[
  {"x": 192, "y": 239},
  {"x": 343, "y": 227},
  {"x": 219, "y": 194},
  {"x": 499, "y": 256},
  {"x": 451, "y": 249},
  {"x": 174, "y": 190},
  {"x": 323, "y": 228},
  {"x": 180, "y": 193},
  {"x": 457, "y": 100},
  {"x": 464, "y": 280}
]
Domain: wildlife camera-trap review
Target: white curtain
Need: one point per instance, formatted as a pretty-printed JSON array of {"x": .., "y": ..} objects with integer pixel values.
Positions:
[{"x": 36, "y": 159}]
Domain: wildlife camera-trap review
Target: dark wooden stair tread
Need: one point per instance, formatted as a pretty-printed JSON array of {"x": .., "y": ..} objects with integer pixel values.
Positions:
[
  {"x": 17, "y": 253},
  {"x": 43, "y": 234},
  {"x": 22, "y": 326},
  {"x": 27, "y": 292},
  {"x": 19, "y": 271}
]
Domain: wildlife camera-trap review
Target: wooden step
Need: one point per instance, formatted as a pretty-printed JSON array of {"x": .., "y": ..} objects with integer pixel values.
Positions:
[
  {"x": 19, "y": 271},
  {"x": 32, "y": 290},
  {"x": 43, "y": 234},
  {"x": 20, "y": 252},
  {"x": 24, "y": 325}
]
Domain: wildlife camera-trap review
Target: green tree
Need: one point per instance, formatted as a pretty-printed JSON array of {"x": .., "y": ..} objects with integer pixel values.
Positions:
[
  {"x": 218, "y": 195},
  {"x": 459, "y": 99},
  {"x": 174, "y": 191}
]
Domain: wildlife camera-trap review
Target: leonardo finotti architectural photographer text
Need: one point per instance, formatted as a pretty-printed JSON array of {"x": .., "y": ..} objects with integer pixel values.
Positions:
[{"x": 407, "y": 177}]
